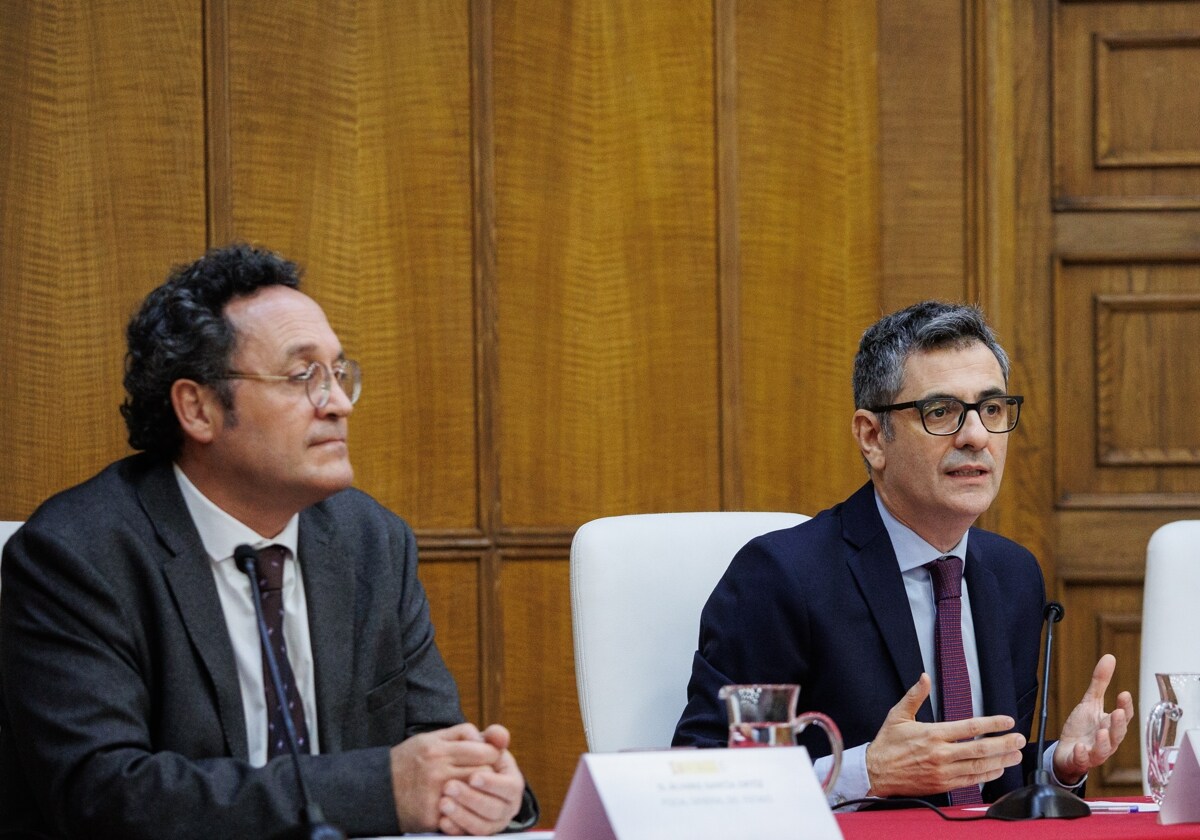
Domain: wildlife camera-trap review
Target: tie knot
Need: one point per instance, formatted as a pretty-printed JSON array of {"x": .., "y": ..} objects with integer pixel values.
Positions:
[
  {"x": 270, "y": 567},
  {"x": 946, "y": 573}
]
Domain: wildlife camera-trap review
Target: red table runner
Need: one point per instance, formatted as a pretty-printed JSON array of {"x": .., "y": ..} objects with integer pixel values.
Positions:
[{"x": 923, "y": 824}]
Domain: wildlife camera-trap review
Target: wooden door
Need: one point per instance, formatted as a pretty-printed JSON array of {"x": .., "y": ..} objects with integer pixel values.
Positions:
[{"x": 1107, "y": 280}]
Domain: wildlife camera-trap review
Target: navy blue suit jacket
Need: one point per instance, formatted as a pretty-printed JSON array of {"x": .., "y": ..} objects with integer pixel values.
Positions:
[{"x": 823, "y": 604}]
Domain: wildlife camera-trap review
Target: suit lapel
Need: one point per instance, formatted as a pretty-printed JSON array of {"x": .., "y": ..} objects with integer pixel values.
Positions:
[
  {"x": 329, "y": 583},
  {"x": 877, "y": 573},
  {"x": 190, "y": 580},
  {"x": 991, "y": 641}
]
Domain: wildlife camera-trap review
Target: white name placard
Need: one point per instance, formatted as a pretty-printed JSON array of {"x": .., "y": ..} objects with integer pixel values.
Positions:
[
  {"x": 1181, "y": 800},
  {"x": 716, "y": 794}
]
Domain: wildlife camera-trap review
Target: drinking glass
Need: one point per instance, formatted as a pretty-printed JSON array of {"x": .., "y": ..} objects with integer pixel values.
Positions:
[{"x": 764, "y": 715}]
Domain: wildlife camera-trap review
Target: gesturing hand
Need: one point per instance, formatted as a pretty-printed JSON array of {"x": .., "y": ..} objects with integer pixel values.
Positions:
[
  {"x": 912, "y": 758},
  {"x": 1090, "y": 735}
]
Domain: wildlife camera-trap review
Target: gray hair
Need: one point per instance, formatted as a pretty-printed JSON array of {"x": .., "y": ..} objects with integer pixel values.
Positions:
[{"x": 924, "y": 326}]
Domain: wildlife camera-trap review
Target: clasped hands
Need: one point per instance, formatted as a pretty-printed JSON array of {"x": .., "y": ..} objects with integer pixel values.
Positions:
[
  {"x": 912, "y": 758},
  {"x": 456, "y": 780}
]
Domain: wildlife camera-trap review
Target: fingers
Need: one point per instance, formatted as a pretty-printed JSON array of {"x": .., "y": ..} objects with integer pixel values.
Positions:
[
  {"x": 467, "y": 747},
  {"x": 497, "y": 736},
  {"x": 908, "y": 757},
  {"x": 921, "y": 764},
  {"x": 1090, "y": 736},
  {"x": 1102, "y": 675},
  {"x": 484, "y": 804},
  {"x": 1125, "y": 705},
  {"x": 962, "y": 730},
  {"x": 424, "y": 764},
  {"x": 461, "y": 732},
  {"x": 911, "y": 702}
]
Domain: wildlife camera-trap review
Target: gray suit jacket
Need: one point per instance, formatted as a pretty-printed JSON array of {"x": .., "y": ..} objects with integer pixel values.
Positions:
[{"x": 122, "y": 714}]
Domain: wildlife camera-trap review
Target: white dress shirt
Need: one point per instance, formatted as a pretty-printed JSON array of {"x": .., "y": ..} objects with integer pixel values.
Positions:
[{"x": 221, "y": 534}]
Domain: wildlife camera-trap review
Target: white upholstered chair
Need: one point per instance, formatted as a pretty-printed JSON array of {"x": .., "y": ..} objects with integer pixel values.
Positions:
[
  {"x": 638, "y": 584},
  {"x": 1170, "y": 614},
  {"x": 7, "y": 529}
]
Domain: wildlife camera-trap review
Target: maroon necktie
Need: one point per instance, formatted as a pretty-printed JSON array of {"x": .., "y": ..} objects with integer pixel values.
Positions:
[
  {"x": 954, "y": 682},
  {"x": 270, "y": 581}
]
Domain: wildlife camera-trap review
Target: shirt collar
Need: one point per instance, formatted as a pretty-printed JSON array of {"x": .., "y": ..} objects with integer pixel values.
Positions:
[
  {"x": 221, "y": 533},
  {"x": 911, "y": 551}
]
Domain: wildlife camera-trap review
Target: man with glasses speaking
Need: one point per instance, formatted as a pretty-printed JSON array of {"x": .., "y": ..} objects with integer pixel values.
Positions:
[
  {"x": 914, "y": 631},
  {"x": 135, "y": 698}
]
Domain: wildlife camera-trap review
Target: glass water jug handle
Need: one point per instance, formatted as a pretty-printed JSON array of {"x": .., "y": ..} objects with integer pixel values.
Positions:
[
  {"x": 826, "y": 724},
  {"x": 1156, "y": 724}
]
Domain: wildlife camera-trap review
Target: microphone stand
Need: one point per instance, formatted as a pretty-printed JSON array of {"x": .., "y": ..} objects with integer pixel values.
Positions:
[
  {"x": 312, "y": 820},
  {"x": 1041, "y": 798}
]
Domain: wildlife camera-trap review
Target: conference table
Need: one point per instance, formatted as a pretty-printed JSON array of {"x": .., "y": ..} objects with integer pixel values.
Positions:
[{"x": 923, "y": 824}]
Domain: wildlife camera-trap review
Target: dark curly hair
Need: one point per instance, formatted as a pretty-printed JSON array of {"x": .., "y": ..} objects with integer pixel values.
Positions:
[{"x": 181, "y": 332}]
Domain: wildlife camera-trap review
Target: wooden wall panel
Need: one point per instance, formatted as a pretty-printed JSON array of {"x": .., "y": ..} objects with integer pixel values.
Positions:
[
  {"x": 450, "y": 581},
  {"x": 354, "y": 157},
  {"x": 510, "y": 210},
  {"x": 922, "y": 152},
  {"x": 540, "y": 705},
  {"x": 1121, "y": 290},
  {"x": 101, "y": 189},
  {"x": 605, "y": 260},
  {"x": 809, "y": 285},
  {"x": 1127, "y": 105},
  {"x": 1101, "y": 616},
  {"x": 1125, "y": 347}
]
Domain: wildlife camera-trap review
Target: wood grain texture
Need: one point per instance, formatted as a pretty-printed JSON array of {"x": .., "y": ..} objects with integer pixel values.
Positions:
[
  {"x": 923, "y": 83},
  {"x": 1106, "y": 348},
  {"x": 1125, "y": 338},
  {"x": 1101, "y": 543},
  {"x": 541, "y": 706},
  {"x": 1127, "y": 112},
  {"x": 604, "y": 167},
  {"x": 1024, "y": 314},
  {"x": 1100, "y": 618},
  {"x": 101, "y": 189},
  {"x": 354, "y": 157},
  {"x": 450, "y": 579},
  {"x": 809, "y": 279}
]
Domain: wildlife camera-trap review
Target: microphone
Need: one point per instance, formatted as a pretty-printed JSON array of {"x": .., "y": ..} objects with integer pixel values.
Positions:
[
  {"x": 312, "y": 821},
  {"x": 1041, "y": 798}
]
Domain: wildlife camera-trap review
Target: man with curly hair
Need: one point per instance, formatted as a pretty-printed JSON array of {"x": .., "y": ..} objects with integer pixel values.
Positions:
[{"x": 134, "y": 698}]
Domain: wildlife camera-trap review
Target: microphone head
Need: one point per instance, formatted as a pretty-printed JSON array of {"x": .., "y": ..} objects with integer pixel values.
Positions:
[
  {"x": 244, "y": 556},
  {"x": 1054, "y": 612}
]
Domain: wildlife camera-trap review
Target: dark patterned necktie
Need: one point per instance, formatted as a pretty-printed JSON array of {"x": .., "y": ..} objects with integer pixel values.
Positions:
[
  {"x": 954, "y": 681},
  {"x": 270, "y": 581}
]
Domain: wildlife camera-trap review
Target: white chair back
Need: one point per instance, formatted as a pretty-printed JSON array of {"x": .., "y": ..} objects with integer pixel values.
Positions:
[
  {"x": 638, "y": 585},
  {"x": 7, "y": 529},
  {"x": 1170, "y": 614}
]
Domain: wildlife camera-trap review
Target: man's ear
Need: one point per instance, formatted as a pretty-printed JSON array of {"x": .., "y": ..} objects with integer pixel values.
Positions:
[
  {"x": 867, "y": 431},
  {"x": 198, "y": 410}
]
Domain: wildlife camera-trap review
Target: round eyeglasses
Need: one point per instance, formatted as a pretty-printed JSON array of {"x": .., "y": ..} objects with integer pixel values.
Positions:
[
  {"x": 946, "y": 415},
  {"x": 318, "y": 379}
]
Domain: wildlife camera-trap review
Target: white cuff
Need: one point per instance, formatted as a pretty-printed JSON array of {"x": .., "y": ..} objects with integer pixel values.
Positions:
[{"x": 852, "y": 782}]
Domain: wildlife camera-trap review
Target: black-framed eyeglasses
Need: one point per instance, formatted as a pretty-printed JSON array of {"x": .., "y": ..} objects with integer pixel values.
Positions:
[
  {"x": 318, "y": 379},
  {"x": 946, "y": 415}
]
